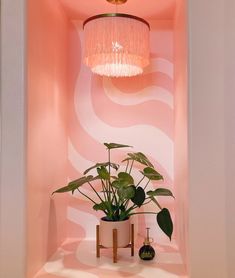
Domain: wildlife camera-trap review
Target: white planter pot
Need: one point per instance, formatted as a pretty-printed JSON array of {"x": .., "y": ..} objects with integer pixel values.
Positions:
[{"x": 106, "y": 232}]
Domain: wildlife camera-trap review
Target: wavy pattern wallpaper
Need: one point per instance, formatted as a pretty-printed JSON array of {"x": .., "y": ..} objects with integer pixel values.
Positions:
[{"x": 137, "y": 111}]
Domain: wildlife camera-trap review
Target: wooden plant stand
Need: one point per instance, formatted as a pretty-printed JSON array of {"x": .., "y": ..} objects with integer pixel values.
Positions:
[{"x": 115, "y": 243}]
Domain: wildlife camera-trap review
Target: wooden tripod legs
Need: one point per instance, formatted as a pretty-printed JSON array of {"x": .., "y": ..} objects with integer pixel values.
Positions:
[
  {"x": 98, "y": 246},
  {"x": 115, "y": 242},
  {"x": 115, "y": 245}
]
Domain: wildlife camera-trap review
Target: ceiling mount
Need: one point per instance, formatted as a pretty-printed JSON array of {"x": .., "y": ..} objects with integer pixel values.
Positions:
[{"x": 117, "y": 2}]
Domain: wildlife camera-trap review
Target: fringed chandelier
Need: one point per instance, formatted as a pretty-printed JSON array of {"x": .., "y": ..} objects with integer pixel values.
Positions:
[{"x": 116, "y": 44}]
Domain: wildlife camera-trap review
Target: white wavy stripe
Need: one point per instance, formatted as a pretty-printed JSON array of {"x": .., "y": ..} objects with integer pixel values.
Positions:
[
  {"x": 161, "y": 65},
  {"x": 86, "y": 220},
  {"x": 86, "y": 254},
  {"x": 155, "y": 143},
  {"x": 148, "y": 139},
  {"x": 77, "y": 160},
  {"x": 53, "y": 268},
  {"x": 56, "y": 266},
  {"x": 147, "y": 94},
  {"x": 131, "y": 266},
  {"x": 80, "y": 164}
]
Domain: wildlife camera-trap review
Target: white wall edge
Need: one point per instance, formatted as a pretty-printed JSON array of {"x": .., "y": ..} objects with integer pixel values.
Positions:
[
  {"x": 207, "y": 188},
  {"x": 13, "y": 140}
]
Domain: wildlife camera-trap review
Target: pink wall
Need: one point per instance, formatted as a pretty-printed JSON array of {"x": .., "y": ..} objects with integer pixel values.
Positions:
[
  {"x": 138, "y": 111},
  {"x": 211, "y": 113},
  {"x": 47, "y": 130},
  {"x": 181, "y": 127}
]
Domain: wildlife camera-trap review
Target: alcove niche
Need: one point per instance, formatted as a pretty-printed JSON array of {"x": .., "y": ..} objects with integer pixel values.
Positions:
[{"x": 71, "y": 112}]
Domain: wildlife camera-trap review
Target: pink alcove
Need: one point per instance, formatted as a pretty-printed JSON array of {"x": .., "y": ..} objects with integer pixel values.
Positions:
[{"x": 71, "y": 112}]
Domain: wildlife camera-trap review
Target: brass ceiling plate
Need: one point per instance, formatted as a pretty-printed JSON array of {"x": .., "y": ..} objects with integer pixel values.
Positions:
[{"x": 117, "y": 2}]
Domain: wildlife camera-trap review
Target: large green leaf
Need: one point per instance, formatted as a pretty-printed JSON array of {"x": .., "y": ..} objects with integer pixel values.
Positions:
[
  {"x": 101, "y": 206},
  {"x": 124, "y": 180},
  {"x": 105, "y": 164},
  {"x": 139, "y": 197},
  {"x": 139, "y": 157},
  {"x": 165, "y": 223},
  {"x": 126, "y": 193},
  {"x": 160, "y": 192},
  {"x": 116, "y": 184},
  {"x": 73, "y": 185},
  {"x": 103, "y": 173},
  {"x": 152, "y": 174},
  {"x": 115, "y": 146}
]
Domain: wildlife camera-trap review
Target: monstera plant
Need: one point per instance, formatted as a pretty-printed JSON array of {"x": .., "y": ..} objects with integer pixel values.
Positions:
[{"x": 119, "y": 194}]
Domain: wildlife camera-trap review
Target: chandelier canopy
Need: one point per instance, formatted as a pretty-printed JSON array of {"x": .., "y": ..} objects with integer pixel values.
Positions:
[{"x": 116, "y": 44}]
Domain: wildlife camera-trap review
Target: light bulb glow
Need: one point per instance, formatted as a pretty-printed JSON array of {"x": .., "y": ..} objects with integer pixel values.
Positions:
[{"x": 116, "y": 45}]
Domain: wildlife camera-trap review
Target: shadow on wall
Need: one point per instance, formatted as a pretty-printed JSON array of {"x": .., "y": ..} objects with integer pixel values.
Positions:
[{"x": 52, "y": 236}]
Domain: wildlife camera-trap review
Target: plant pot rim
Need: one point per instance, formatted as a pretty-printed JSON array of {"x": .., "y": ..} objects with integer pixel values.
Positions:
[{"x": 106, "y": 220}]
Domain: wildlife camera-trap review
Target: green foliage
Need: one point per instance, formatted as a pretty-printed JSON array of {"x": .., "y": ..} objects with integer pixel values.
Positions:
[
  {"x": 139, "y": 157},
  {"x": 103, "y": 173},
  {"x": 126, "y": 193},
  {"x": 139, "y": 197},
  {"x": 115, "y": 146},
  {"x": 152, "y": 174},
  {"x": 164, "y": 221},
  {"x": 160, "y": 192},
  {"x": 121, "y": 195},
  {"x": 105, "y": 164},
  {"x": 123, "y": 180},
  {"x": 73, "y": 185}
]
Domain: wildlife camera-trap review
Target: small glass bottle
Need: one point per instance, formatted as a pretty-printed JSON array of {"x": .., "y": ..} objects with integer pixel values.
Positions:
[{"x": 147, "y": 252}]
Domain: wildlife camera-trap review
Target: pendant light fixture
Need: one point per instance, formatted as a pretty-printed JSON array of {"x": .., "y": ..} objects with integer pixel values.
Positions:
[{"x": 116, "y": 44}]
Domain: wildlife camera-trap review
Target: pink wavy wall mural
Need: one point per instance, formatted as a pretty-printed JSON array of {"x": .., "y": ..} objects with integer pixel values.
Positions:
[{"x": 137, "y": 111}]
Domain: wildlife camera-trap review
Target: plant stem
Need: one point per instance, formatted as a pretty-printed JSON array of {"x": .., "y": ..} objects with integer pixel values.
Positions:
[
  {"x": 109, "y": 160},
  {"x": 156, "y": 202},
  {"x": 147, "y": 212},
  {"x": 146, "y": 202},
  {"x": 146, "y": 184},
  {"x": 109, "y": 181},
  {"x": 104, "y": 190},
  {"x": 131, "y": 166},
  {"x": 131, "y": 208},
  {"x": 87, "y": 196},
  {"x": 114, "y": 195},
  {"x": 127, "y": 165},
  {"x": 140, "y": 181},
  {"x": 95, "y": 192},
  {"x": 125, "y": 204}
]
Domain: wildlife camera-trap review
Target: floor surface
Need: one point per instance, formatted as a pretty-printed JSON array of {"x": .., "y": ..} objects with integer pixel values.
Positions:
[{"x": 77, "y": 259}]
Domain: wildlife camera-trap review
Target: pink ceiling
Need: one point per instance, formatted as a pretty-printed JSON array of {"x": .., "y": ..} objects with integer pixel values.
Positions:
[{"x": 148, "y": 9}]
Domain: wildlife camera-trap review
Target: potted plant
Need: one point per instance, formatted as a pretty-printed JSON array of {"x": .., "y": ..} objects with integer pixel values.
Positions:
[{"x": 120, "y": 195}]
